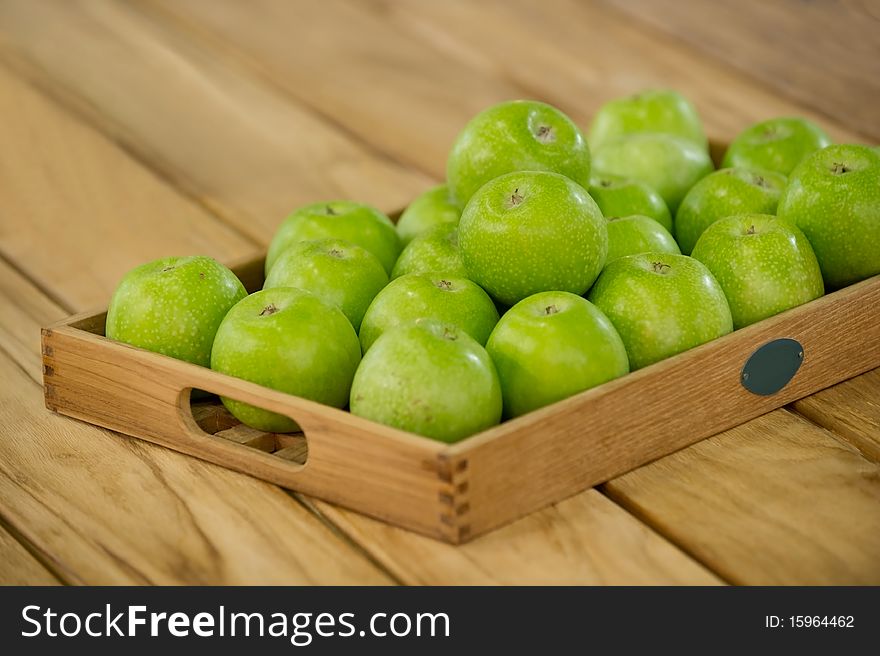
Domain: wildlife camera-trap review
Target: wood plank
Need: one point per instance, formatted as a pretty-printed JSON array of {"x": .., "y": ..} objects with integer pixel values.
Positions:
[
  {"x": 821, "y": 54},
  {"x": 86, "y": 76},
  {"x": 584, "y": 540},
  {"x": 21, "y": 339},
  {"x": 436, "y": 64},
  {"x": 92, "y": 185},
  {"x": 391, "y": 88},
  {"x": 19, "y": 567},
  {"x": 242, "y": 148},
  {"x": 607, "y": 431},
  {"x": 108, "y": 509},
  {"x": 851, "y": 410},
  {"x": 55, "y": 172},
  {"x": 774, "y": 501}
]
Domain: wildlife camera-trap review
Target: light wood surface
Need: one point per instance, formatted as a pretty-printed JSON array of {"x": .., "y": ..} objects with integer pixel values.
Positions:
[
  {"x": 460, "y": 491},
  {"x": 851, "y": 410},
  {"x": 829, "y": 61},
  {"x": 775, "y": 501},
  {"x": 134, "y": 218},
  {"x": 104, "y": 508},
  {"x": 211, "y": 115},
  {"x": 18, "y": 566}
]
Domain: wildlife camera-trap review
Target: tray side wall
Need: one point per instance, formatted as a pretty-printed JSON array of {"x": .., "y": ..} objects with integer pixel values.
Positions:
[
  {"x": 551, "y": 454},
  {"x": 394, "y": 476}
]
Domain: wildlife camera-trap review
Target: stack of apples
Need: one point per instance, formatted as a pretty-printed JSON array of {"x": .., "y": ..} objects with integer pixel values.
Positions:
[{"x": 549, "y": 263}]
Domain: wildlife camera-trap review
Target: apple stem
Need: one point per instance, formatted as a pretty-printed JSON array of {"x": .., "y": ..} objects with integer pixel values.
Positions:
[
  {"x": 444, "y": 284},
  {"x": 551, "y": 309},
  {"x": 269, "y": 309},
  {"x": 516, "y": 198},
  {"x": 659, "y": 267},
  {"x": 546, "y": 134}
]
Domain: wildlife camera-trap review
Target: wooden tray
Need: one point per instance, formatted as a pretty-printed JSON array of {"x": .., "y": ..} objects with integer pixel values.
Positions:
[{"x": 454, "y": 492}]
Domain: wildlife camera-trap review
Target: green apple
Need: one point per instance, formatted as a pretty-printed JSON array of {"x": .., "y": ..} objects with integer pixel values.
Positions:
[
  {"x": 629, "y": 235},
  {"x": 418, "y": 296},
  {"x": 764, "y": 265},
  {"x": 530, "y": 232},
  {"x": 668, "y": 164},
  {"x": 661, "y": 110},
  {"x": 360, "y": 224},
  {"x": 520, "y": 135},
  {"x": 833, "y": 196},
  {"x": 173, "y": 306},
  {"x": 661, "y": 304},
  {"x": 617, "y": 196},
  {"x": 432, "y": 208},
  {"x": 775, "y": 145},
  {"x": 550, "y": 346},
  {"x": 290, "y": 340},
  {"x": 428, "y": 378},
  {"x": 336, "y": 271},
  {"x": 724, "y": 193},
  {"x": 435, "y": 251}
]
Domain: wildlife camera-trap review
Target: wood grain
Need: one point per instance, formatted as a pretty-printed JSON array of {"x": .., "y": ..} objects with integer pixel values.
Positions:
[
  {"x": 546, "y": 455},
  {"x": 584, "y": 540},
  {"x": 390, "y": 474},
  {"x": 162, "y": 85},
  {"x": 821, "y": 54},
  {"x": 79, "y": 186},
  {"x": 18, "y": 567},
  {"x": 772, "y": 502},
  {"x": 434, "y": 65},
  {"x": 111, "y": 128},
  {"x": 56, "y": 171},
  {"x": 240, "y": 147},
  {"x": 473, "y": 486},
  {"x": 851, "y": 410},
  {"x": 107, "y": 509}
]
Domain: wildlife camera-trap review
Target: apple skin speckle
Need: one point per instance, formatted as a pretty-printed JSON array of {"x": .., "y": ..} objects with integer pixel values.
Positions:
[
  {"x": 838, "y": 212},
  {"x": 652, "y": 110},
  {"x": 433, "y": 208},
  {"x": 550, "y": 346},
  {"x": 725, "y": 193},
  {"x": 337, "y": 271},
  {"x": 305, "y": 347},
  {"x": 512, "y": 136},
  {"x": 778, "y": 144},
  {"x": 630, "y": 235},
  {"x": 555, "y": 239},
  {"x": 173, "y": 306},
  {"x": 618, "y": 196},
  {"x": 660, "y": 311},
  {"x": 420, "y": 296},
  {"x": 428, "y": 378},
  {"x": 434, "y": 251},
  {"x": 668, "y": 164},
  {"x": 764, "y": 265},
  {"x": 357, "y": 223}
]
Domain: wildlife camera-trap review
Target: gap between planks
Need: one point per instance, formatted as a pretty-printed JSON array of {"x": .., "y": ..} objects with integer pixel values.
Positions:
[
  {"x": 43, "y": 559},
  {"x": 170, "y": 183}
]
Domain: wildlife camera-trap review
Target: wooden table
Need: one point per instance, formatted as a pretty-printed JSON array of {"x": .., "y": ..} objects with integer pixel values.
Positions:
[{"x": 132, "y": 131}]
